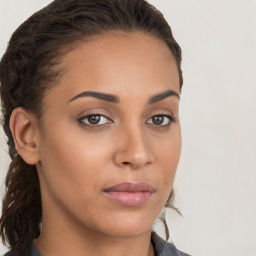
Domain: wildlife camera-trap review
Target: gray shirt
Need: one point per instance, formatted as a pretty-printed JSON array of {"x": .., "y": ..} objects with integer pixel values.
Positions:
[{"x": 163, "y": 248}]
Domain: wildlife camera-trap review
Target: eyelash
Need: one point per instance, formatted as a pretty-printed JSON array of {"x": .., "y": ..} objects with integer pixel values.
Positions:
[
  {"x": 81, "y": 120},
  {"x": 171, "y": 119}
]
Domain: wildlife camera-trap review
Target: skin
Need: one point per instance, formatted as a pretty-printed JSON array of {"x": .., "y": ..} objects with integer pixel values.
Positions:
[{"x": 76, "y": 161}]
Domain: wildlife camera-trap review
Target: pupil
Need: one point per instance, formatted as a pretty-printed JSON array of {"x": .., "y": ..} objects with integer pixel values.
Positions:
[
  {"x": 94, "y": 119},
  {"x": 158, "y": 119}
]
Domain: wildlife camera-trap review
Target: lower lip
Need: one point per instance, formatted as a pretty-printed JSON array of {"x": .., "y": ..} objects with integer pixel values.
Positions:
[{"x": 130, "y": 198}]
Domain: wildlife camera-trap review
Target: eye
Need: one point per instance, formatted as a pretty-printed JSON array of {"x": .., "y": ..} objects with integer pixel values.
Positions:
[
  {"x": 161, "y": 120},
  {"x": 94, "y": 120}
]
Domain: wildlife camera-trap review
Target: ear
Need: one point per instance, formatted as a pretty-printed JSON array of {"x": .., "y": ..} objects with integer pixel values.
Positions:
[{"x": 24, "y": 128}]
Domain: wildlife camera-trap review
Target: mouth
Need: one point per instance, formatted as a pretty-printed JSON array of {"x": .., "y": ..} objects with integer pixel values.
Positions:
[{"x": 130, "y": 194}]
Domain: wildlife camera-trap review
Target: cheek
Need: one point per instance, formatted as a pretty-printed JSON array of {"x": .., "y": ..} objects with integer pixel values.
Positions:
[
  {"x": 169, "y": 156},
  {"x": 70, "y": 162},
  {"x": 169, "y": 149},
  {"x": 76, "y": 161}
]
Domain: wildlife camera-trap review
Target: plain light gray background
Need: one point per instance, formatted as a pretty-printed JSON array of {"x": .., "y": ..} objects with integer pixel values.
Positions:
[{"x": 215, "y": 183}]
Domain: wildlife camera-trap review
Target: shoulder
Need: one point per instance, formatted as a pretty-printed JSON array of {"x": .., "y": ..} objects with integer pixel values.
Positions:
[{"x": 163, "y": 248}]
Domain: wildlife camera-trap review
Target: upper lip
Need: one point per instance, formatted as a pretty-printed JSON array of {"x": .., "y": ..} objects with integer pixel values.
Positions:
[{"x": 131, "y": 187}]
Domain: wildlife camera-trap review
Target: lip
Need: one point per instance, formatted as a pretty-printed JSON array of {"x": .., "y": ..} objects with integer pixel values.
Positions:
[{"x": 130, "y": 194}]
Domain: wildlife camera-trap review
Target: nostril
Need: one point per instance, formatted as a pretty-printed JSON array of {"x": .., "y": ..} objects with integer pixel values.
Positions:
[{"x": 126, "y": 163}]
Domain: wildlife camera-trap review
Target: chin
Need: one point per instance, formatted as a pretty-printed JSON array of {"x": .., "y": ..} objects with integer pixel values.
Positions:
[{"x": 128, "y": 225}]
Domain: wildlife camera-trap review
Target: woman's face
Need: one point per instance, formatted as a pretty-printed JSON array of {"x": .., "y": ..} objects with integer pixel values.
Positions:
[{"x": 109, "y": 136}]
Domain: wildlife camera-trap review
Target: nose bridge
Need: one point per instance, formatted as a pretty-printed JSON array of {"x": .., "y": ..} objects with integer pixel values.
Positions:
[
  {"x": 134, "y": 149},
  {"x": 136, "y": 140}
]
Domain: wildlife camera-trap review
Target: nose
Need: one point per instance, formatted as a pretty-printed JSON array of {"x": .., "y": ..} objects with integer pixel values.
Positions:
[{"x": 133, "y": 149}]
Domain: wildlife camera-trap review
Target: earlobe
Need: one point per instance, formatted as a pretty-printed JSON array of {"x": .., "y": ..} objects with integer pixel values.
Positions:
[{"x": 23, "y": 126}]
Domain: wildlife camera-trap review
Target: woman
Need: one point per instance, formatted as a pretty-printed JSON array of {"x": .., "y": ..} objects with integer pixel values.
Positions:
[{"x": 90, "y": 96}]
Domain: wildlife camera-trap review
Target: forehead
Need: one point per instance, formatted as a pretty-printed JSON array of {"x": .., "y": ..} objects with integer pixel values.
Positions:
[
  {"x": 115, "y": 62},
  {"x": 120, "y": 45}
]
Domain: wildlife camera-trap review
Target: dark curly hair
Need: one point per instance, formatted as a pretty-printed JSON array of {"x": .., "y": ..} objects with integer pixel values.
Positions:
[{"x": 30, "y": 66}]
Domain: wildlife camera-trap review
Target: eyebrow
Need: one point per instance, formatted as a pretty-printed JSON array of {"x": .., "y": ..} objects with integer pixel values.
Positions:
[
  {"x": 98, "y": 95},
  {"x": 115, "y": 99},
  {"x": 162, "y": 96}
]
